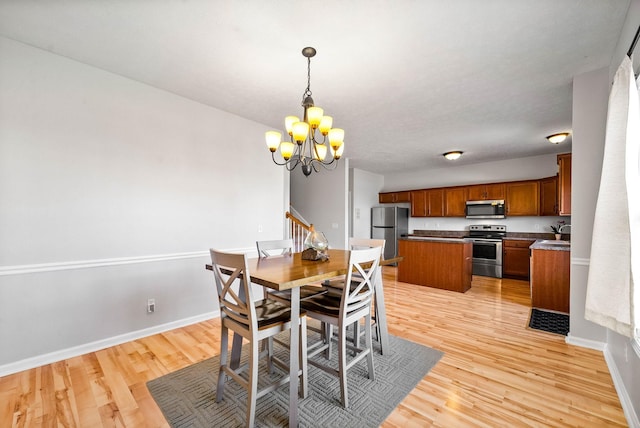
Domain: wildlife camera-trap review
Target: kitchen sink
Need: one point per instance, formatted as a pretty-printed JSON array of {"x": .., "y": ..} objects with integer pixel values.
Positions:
[{"x": 557, "y": 243}]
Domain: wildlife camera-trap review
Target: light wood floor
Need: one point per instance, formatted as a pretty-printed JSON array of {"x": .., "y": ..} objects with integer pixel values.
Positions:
[{"x": 495, "y": 372}]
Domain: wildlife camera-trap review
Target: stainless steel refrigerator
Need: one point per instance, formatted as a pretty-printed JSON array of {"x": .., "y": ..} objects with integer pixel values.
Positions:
[{"x": 389, "y": 223}]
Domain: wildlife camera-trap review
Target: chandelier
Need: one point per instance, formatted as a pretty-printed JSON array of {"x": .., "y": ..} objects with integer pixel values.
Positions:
[{"x": 304, "y": 146}]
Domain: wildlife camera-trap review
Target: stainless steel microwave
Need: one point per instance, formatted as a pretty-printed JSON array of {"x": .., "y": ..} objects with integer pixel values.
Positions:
[{"x": 486, "y": 209}]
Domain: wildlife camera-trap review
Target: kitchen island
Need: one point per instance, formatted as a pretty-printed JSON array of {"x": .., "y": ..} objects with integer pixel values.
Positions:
[{"x": 436, "y": 262}]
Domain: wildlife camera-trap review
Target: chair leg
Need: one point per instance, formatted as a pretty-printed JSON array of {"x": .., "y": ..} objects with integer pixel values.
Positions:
[
  {"x": 328, "y": 334},
  {"x": 252, "y": 391},
  {"x": 269, "y": 346},
  {"x": 342, "y": 364},
  {"x": 303, "y": 358},
  {"x": 356, "y": 334},
  {"x": 369, "y": 344},
  {"x": 224, "y": 343}
]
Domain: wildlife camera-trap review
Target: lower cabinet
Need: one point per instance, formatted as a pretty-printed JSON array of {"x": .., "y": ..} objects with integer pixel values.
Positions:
[
  {"x": 550, "y": 279},
  {"x": 515, "y": 258}
]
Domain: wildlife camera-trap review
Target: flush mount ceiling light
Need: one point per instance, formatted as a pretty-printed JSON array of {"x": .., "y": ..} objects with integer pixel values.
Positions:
[
  {"x": 452, "y": 155},
  {"x": 303, "y": 148},
  {"x": 558, "y": 138}
]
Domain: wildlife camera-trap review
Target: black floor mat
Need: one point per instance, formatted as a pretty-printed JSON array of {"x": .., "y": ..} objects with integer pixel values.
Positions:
[{"x": 549, "y": 321}]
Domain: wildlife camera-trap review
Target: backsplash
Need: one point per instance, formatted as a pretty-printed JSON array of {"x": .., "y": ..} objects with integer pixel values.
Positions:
[{"x": 514, "y": 224}]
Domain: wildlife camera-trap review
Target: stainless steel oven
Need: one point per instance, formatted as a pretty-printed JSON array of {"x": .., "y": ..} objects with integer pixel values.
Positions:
[
  {"x": 487, "y": 249},
  {"x": 487, "y": 257}
]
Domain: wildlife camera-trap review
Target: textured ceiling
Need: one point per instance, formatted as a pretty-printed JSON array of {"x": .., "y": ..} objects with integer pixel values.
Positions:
[{"x": 407, "y": 80}]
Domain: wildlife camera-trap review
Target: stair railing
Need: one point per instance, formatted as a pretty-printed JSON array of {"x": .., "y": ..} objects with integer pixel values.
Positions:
[{"x": 298, "y": 231}]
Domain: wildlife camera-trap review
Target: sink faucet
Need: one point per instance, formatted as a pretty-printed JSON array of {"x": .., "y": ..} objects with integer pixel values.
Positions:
[{"x": 562, "y": 227}]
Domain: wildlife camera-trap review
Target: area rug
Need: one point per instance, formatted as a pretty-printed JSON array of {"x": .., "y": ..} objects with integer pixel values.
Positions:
[
  {"x": 551, "y": 322},
  {"x": 187, "y": 396}
]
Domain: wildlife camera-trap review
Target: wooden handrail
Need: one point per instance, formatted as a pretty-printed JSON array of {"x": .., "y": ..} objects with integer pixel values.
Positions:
[{"x": 299, "y": 222}]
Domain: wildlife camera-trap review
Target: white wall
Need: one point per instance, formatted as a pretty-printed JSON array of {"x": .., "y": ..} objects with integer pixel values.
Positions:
[
  {"x": 590, "y": 99},
  {"x": 112, "y": 192},
  {"x": 322, "y": 199},
  {"x": 365, "y": 187}
]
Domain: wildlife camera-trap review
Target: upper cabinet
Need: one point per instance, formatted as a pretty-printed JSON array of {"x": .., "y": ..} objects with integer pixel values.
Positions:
[
  {"x": 427, "y": 203},
  {"x": 546, "y": 196},
  {"x": 549, "y": 196},
  {"x": 455, "y": 201},
  {"x": 564, "y": 184},
  {"x": 394, "y": 197},
  {"x": 523, "y": 198},
  {"x": 481, "y": 192}
]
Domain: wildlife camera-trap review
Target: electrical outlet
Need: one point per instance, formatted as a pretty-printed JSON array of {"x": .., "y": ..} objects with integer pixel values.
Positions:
[{"x": 151, "y": 306}]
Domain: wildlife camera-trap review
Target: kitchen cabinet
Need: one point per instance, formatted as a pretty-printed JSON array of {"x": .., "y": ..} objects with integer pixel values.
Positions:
[
  {"x": 481, "y": 192},
  {"x": 436, "y": 263},
  {"x": 522, "y": 198},
  {"x": 550, "y": 279},
  {"x": 564, "y": 184},
  {"x": 515, "y": 258},
  {"x": 549, "y": 196},
  {"x": 394, "y": 197},
  {"x": 455, "y": 201},
  {"x": 427, "y": 203}
]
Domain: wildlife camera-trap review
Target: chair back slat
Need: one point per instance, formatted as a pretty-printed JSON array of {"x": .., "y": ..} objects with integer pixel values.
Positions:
[
  {"x": 238, "y": 306},
  {"x": 361, "y": 243},
  {"x": 274, "y": 247},
  {"x": 365, "y": 263}
]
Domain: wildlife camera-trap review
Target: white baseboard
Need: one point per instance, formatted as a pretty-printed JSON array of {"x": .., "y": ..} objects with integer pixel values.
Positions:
[
  {"x": 623, "y": 395},
  {"x": 585, "y": 343},
  {"x": 75, "y": 351}
]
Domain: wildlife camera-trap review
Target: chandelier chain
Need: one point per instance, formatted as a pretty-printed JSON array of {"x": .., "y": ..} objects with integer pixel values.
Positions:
[{"x": 307, "y": 92}]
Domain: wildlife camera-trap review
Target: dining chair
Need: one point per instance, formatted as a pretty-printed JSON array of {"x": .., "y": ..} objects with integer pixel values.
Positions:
[
  {"x": 284, "y": 247},
  {"x": 254, "y": 321},
  {"x": 335, "y": 286},
  {"x": 353, "y": 304}
]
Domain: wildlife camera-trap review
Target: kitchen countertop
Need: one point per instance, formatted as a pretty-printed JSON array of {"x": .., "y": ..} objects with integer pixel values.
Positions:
[
  {"x": 525, "y": 236},
  {"x": 545, "y": 244}
]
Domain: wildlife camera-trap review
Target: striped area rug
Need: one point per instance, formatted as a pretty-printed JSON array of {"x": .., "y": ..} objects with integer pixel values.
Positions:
[{"x": 187, "y": 396}]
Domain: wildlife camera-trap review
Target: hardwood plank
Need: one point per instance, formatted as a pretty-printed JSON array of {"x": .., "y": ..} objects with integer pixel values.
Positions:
[{"x": 495, "y": 371}]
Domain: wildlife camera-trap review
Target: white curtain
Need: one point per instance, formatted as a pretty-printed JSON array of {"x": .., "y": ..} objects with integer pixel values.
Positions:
[{"x": 610, "y": 284}]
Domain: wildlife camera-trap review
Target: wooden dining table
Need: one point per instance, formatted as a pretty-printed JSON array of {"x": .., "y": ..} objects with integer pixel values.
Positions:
[{"x": 290, "y": 272}]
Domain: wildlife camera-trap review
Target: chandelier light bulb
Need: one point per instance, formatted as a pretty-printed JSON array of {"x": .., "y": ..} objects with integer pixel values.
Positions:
[
  {"x": 320, "y": 151},
  {"x": 314, "y": 116},
  {"x": 288, "y": 123},
  {"x": 286, "y": 149},
  {"x": 273, "y": 140},
  {"x": 300, "y": 131},
  {"x": 325, "y": 124}
]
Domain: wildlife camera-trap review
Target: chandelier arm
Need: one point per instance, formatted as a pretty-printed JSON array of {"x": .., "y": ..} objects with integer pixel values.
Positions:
[
  {"x": 273, "y": 158},
  {"x": 290, "y": 162},
  {"x": 326, "y": 166}
]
